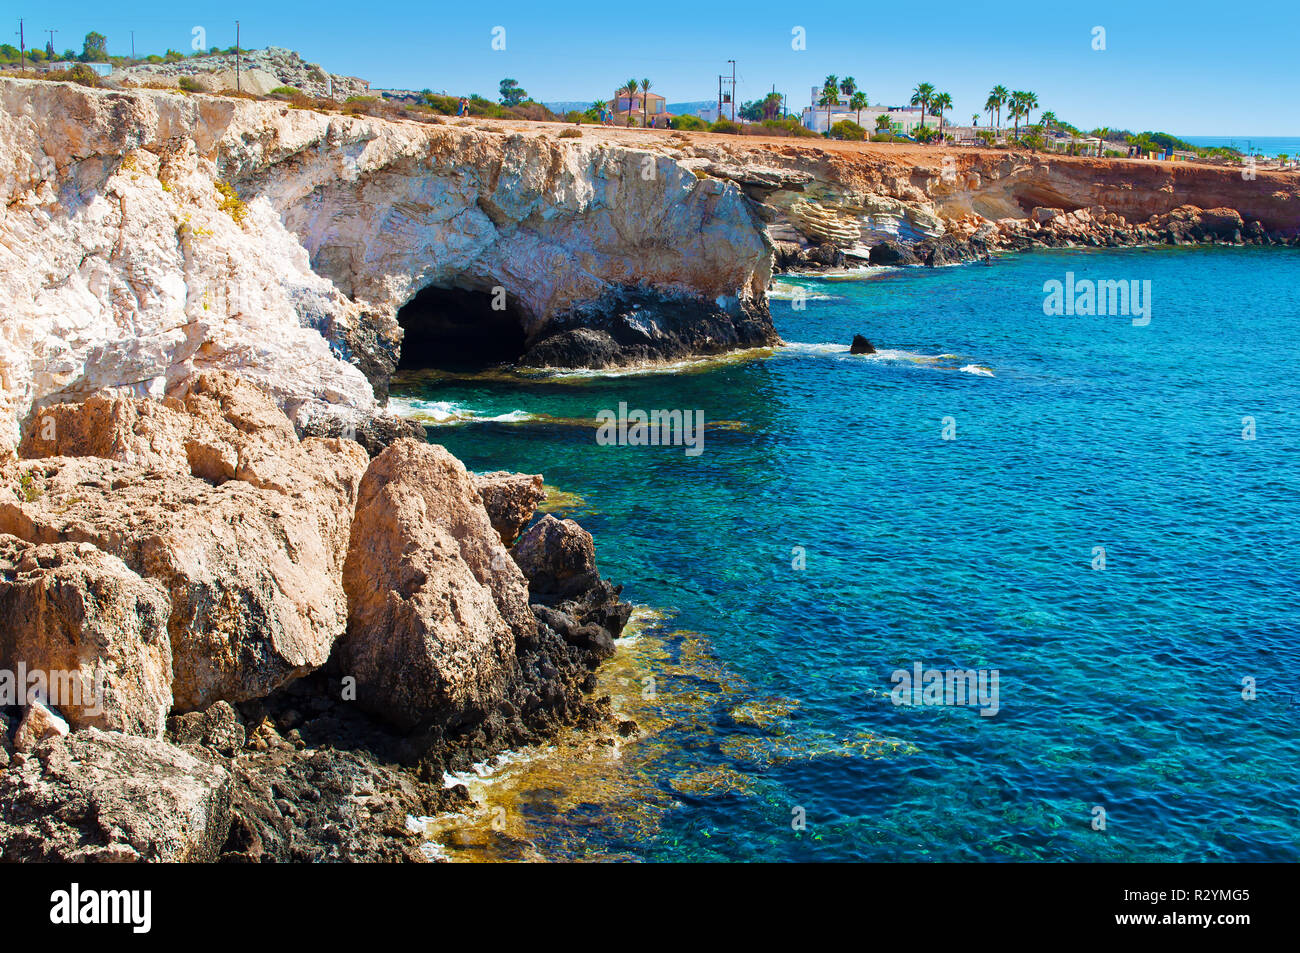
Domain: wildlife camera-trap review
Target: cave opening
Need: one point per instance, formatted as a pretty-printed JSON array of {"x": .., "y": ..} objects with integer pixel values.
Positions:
[{"x": 459, "y": 329}]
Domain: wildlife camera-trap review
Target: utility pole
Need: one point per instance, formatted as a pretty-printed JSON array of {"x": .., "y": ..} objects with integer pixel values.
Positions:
[
  {"x": 51, "y": 33},
  {"x": 733, "y": 89},
  {"x": 22, "y": 46},
  {"x": 133, "y": 46},
  {"x": 238, "y": 87},
  {"x": 719, "y": 95}
]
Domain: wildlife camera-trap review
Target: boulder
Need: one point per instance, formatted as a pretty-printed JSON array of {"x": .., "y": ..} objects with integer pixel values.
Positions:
[
  {"x": 243, "y": 526},
  {"x": 861, "y": 345},
  {"x": 435, "y": 602},
  {"x": 510, "y": 500},
  {"x": 251, "y": 573},
  {"x": 38, "y": 724},
  {"x": 107, "y": 796},
  {"x": 558, "y": 557},
  {"x": 94, "y": 627}
]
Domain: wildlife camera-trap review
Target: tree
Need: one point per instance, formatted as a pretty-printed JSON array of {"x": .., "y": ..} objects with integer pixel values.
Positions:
[
  {"x": 858, "y": 102},
  {"x": 884, "y": 123},
  {"x": 848, "y": 86},
  {"x": 921, "y": 96},
  {"x": 512, "y": 94},
  {"x": 830, "y": 96},
  {"x": 941, "y": 101},
  {"x": 645, "y": 90},
  {"x": 1028, "y": 102},
  {"x": 630, "y": 87},
  {"x": 94, "y": 49},
  {"x": 1017, "y": 109},
  {"x": 990, "y": 105},
  {"x": 772, "y": 105},
  {"x": 49, "y": 49},
  {"x": 1048, "y": 119},
  {"x": 999, "y": 96}
]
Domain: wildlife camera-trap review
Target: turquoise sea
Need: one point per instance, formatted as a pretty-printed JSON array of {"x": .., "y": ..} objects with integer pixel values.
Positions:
[
  {"x": 829, "y": 535},
  {"x": 1262, "y": 145}
]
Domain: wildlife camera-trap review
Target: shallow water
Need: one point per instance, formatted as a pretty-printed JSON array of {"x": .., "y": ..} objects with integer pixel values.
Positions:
[{"x": 1119, "y": 688}]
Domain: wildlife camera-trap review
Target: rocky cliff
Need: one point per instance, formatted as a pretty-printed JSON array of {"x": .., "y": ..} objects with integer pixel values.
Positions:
[{"x": 148, "y": 234}]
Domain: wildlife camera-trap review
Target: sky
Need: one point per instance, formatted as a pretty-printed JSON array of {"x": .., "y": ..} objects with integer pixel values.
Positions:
[{"x": 1190, "y": 68}]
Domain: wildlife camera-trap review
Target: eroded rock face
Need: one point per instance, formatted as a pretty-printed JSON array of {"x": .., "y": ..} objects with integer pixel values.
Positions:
[
  {"x": 107, "y": 796},
  {"x": 435, "y": 602},
  {"x": 74, "y": 610},
  {"x": 510, "y": 499},
  {"x": 243, "y": 526}
]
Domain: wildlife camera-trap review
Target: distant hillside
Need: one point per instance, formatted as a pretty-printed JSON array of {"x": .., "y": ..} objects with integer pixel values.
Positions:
[{"x": 560, "y": 108}]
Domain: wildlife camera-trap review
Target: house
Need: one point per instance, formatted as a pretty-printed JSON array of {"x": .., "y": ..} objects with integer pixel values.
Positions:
[{"x": 651, "y": 105}]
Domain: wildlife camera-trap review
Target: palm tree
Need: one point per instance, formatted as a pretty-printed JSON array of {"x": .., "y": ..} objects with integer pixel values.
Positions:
[
  {"x": 630, "y": 88},
  {"x": 830, "y": 96},
  {"x": 645, "y": 88},
  {"x": 858, "y": 102},
  {"x": 1028, "y": 101},
  {"x": 921, "y": 96},
  {"x": 999, "y": 95},
  {"x": 848, "y": 86},
  {"x": 941, "y": 101},
  {"x": 991, "y": 104},
  {"x": 1101, "y": 139},
  {"x": 1048, "y": 119},
  {"x": 1017, "y": 109}
]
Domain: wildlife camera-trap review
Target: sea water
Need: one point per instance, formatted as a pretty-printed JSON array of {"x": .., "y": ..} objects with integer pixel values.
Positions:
[{"x": 1105, "y": 515}]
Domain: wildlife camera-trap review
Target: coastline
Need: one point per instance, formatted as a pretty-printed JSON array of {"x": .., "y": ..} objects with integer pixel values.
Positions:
[{"x": 248, "y": 435}]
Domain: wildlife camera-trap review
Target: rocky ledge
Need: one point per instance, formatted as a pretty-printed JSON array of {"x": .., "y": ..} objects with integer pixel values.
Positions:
[{"x": 278, "y": 643}]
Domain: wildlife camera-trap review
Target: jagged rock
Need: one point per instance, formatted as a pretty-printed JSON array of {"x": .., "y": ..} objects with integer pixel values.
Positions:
[
  {"x": 88, "y": 621},
  {"x": 374, "y": 432},
  {"x": 244, "y": 526},
  {"x": 435, "y": 602},
  {"x": 891, "y": 253},
  {"x": 558, "y": 557},
  {"x": 38, "y": 724},
  {"x": 218, "y": 727},
  {"x": 107, "y": 796},
  {"x": 861, "y": 345},
  {"x": 510, "y": 499},
  {"x": 632, "y": 325}
]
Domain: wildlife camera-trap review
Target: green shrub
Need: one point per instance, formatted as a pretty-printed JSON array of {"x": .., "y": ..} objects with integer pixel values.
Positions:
[
  {"x": 688, "y": 123},
  {"x": 725, "y": 126},
  {"x": 287, "y": 91},
  {"x": 190, "y": 84},
  {"x": 571, "y": 134},
  {"x": 848, "y": 129}
]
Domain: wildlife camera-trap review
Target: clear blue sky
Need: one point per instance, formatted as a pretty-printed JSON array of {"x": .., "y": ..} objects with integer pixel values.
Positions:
[{"x": 1190, "y": 68}]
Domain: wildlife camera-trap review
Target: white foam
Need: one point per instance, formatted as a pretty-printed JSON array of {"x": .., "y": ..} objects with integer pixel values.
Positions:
[
  {"x": 449, "y": 413},
  {"x": 978, "y": 369}
]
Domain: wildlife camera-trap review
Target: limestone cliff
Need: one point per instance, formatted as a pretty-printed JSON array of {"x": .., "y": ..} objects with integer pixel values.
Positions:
[{"x": 147, "y": 234}]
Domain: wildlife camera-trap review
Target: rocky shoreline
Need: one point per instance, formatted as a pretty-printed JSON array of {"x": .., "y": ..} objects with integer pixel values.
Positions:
[
  {"x": 293, "y": 641},
  {"x": 1045, "y": 228}
]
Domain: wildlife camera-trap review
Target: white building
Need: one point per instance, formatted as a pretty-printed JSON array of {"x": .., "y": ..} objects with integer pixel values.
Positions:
[{"x": 902, "y": 119}]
